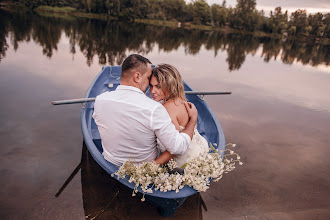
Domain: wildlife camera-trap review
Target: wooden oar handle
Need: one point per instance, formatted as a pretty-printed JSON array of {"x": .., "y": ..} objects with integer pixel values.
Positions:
[
  {"x": 72, "y": 101},
  {"x": 206, "y": 93},
  {"x": 82, "y": 100}
]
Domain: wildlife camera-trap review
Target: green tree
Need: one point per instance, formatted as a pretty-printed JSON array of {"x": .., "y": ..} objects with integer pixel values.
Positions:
[
  {"x": 131, "y": 9},
  {"x": 219, "y": 15},
  {"x": 224, "y": 4},
  {"x": 155, "y": 10},
  {"x": 201, "y": 12},
  {"x": 109, "y": 6},
  {"x": 316, "y": 22},
  {"x": 278, "y": 21},
  {"x": 246, "y": 6},
  {"x": 173, "y": 9},
  {"x": 326, "y": 22},
  {"x": 245, "y": 16},
  {"x": 88, "y": 5},
  {"x": 299, "y": 20}
]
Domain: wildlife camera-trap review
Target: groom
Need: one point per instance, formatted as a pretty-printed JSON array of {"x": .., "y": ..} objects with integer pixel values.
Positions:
[{"x": 129, "y": 122}]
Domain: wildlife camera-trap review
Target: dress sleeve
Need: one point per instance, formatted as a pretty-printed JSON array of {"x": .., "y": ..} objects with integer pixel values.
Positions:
[{"x": 173, "y": 141}]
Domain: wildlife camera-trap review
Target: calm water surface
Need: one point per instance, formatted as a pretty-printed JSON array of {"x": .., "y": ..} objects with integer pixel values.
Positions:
[{"x": 278, "y": 115}]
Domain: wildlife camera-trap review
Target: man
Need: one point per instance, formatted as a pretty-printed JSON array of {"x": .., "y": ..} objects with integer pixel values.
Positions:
[{"x": 129, "y": 122}]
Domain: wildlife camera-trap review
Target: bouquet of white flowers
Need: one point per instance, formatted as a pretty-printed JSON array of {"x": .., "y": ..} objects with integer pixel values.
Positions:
[{"x": 197, "y": 173}]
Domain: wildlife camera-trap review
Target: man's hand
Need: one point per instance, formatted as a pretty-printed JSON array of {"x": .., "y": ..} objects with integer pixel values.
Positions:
[{"x": 192, "y": 111}]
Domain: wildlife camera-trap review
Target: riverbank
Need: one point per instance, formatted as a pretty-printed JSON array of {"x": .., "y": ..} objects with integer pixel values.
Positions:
[
  {"x": 46, "y": 11},
  {"x": 70, "y": 11},
  {"x": 175, "y": 24},
  {"x": 73, "y": 12},
  {"x": 13, "y": 6}
]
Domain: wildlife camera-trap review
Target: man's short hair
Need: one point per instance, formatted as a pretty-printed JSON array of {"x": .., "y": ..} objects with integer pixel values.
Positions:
[{"x": 134, "y": 62}]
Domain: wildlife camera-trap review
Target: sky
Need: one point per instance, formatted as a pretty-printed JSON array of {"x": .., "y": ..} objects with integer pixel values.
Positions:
[{"x": 312, "y": 6}]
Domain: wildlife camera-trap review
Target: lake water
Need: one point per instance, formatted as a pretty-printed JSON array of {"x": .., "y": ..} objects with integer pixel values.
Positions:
[{"x": 278, "y": 115}]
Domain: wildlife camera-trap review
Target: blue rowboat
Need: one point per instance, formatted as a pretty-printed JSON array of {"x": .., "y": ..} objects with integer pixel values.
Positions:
[{"x": 207, "y": 124}]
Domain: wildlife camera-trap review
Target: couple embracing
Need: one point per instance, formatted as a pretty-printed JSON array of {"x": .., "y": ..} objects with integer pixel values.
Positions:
[{"x": 135, "y": 127}]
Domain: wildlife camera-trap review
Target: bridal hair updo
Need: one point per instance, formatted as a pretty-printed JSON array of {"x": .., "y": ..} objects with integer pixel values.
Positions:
[{"x": 170, "y": 81}]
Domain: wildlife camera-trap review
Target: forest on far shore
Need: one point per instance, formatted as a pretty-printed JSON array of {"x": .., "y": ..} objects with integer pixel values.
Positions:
[{"x": 243, "y": 17}]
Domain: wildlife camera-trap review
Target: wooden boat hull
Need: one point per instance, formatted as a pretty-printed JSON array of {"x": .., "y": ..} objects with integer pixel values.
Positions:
[{"x": 207, "y": 124}]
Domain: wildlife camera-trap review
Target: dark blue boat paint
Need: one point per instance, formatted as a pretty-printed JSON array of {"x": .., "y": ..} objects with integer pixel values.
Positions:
[{"x": 207, "y": 124}]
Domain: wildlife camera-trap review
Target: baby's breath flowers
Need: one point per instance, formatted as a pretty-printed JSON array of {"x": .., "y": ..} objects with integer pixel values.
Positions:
[
  {"x": 198, "y": 172},
  {"x": 172, "y": 164}
]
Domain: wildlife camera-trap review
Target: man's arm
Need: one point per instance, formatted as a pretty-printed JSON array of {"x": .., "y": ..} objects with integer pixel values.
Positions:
[{"x": 164, "y": 157}]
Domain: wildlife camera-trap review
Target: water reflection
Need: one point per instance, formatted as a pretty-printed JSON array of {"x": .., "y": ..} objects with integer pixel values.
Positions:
[
  {"x": 106, "y": 198},
  {"x": 109, "y": 41},
  {"x": 278, "y": 115}
]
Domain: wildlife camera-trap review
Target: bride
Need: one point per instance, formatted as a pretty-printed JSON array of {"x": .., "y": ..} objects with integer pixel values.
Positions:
[{"x": 166, "y": 86}]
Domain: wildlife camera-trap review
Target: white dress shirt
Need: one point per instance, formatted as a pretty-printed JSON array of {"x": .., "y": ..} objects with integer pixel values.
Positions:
[{"x": 129, "y": 124}]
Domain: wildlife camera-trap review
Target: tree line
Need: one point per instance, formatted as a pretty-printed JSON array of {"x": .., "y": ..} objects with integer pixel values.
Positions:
[
  {"x": 110, "y": 41},
  {"x": 244, "y": 16}
]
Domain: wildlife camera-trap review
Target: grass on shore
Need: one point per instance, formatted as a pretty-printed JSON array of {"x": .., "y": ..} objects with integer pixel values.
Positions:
[
  {"x": 68, "y": 17},
  {"x": 71, "y": 11},
  {"x": 56, "y": 9},
  {"x": 158, "y": 22}
]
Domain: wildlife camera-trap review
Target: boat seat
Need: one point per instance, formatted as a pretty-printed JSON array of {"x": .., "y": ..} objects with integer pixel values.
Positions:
[
  {"x": 98, "y": 144},
  {"x": 96, "y": 134}
]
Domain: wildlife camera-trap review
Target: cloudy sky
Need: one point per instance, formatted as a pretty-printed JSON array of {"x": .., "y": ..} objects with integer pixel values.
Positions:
[{"x": 311, "y": 6}]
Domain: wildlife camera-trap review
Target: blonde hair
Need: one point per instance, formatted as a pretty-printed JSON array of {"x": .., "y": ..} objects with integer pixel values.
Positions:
[{"x": 169, "y": 78}]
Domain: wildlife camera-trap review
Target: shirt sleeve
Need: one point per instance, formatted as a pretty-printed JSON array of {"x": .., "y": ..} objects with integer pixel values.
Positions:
[
  {"x": 95, "y": 112},
  {"x": 173, "y": 141}
]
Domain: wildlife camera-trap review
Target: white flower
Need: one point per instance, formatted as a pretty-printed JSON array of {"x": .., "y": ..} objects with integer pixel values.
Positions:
[
  {"x": 197, "y": 173},
  {"x": 172, "y": 164}
]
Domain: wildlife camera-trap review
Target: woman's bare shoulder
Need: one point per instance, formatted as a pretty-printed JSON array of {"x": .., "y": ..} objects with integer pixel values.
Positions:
[
  {"x": 176, "y": 107},
  {"x": 173, "y": 103},
  {"x": 170, "y": 106}
]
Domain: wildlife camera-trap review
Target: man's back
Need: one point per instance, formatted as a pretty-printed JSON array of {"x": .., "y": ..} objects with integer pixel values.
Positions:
[{"x": 124, "y": 119}]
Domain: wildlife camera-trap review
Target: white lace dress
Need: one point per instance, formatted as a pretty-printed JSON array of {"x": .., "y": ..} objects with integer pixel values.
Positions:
[{"x": 198, "y": 145}]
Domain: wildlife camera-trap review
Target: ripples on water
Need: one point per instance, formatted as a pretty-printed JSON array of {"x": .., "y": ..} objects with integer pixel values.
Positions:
[{"x": 278, "y": 114}]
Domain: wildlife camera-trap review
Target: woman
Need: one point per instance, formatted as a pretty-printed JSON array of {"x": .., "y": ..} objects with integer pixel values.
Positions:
[{"x": 166, "y": 85}]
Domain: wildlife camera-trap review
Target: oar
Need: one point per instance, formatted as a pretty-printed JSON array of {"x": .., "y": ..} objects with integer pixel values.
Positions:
[
  {"x": 82, "y": 100},
  {"x": 73, "y": 101},
  {"x": 69, "y": 180}
]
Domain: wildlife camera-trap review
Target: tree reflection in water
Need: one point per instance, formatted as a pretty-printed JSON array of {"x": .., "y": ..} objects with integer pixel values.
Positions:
[
  {"x": 106, "y": 198},
  {"x": 110, "y": 40}
]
